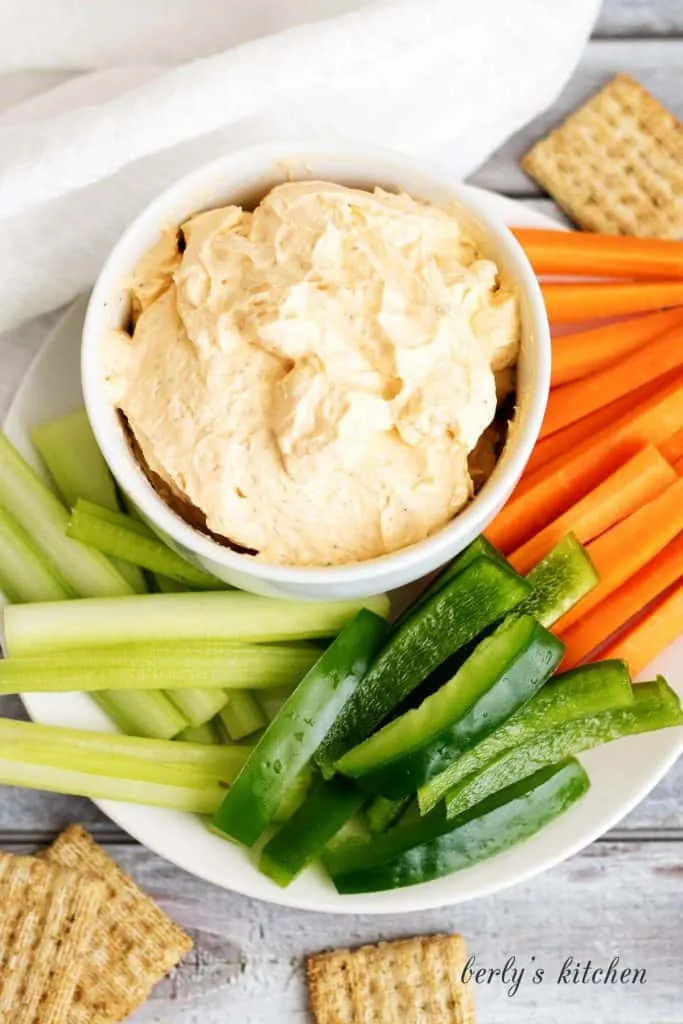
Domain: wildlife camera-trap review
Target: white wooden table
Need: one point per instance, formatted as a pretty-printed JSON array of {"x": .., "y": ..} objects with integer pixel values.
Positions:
[{"x": 622, "y": 896}]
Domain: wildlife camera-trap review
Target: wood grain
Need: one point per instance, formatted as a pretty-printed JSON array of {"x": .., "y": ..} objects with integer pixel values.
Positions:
[
  {"x": 621, "y": 899},
  {"x": 640, "y": 18}
]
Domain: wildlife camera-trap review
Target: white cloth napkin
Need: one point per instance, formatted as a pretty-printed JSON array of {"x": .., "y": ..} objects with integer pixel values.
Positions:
[{"x": 151, "y": 88}]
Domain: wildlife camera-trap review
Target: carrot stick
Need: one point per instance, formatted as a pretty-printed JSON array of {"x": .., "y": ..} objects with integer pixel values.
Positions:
[
  {"x": 641, "y": 644},
  {"x": 591, "y": 631},
  {"x": 627, "y": 547},
  {"x": 591, "y": 255},
  {"x": 550, "y": 490},
  {"x": 678, "y": 466},
  {"x": 672, "y": 449},
  {"x": 643, "y": 477},
  {"x": 582, "y": 397},
  {"x": 577, "y": 355},
  {"x": 577, "y": 301},
  {"x": 568, "y": 438}
]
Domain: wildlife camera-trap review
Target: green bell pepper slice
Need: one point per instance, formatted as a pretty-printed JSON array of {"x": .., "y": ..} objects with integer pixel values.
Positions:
[
  {"x": 655, "y": 707},
  {"x": 435, "y": 846},
  {"x": 575, "y": 694},
  {"x": 291, "y": 739},
  {"x": 501, "y": 675},
  {"x": 477, "y": 597},
  {"x": 302, "y": 838},
  {"x": 479, "y": 546}
]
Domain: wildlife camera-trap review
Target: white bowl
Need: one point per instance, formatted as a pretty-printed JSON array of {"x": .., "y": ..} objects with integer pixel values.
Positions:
[{"x": 243, "y": 177}]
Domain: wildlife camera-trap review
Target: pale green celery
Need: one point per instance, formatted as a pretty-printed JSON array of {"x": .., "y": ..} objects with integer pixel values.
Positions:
[
  {"x": 132, "y": 574},
  {"x": 209, "y": 733},
  {"x": 86, "y": 573},
  {"x": 231, "y": 615},
  {"x": 70, "y": 453},
  {"x": 114, "y": 516},
  {"x": 26, "y": 739},
  {"x": 146, "y": 713},
  {"x": 175, "y": 666},
  {"x": 242, "y": 715},
  {"x": 204, "y": 799},
  {"x": 25, "y": 573},
  {"x": 119, "y": 536},
  {"x": 198, "y": 705},
  {"x": 271, "y": 700},
  {"x": 166, "y": 585}
]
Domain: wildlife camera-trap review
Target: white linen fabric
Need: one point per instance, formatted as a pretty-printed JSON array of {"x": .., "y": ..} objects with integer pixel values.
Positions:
[{"x": 108, "y": 101}]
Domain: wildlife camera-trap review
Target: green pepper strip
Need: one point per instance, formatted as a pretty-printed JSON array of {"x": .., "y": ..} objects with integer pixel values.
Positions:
[
  {"x": 381, "y": 813},
  {"x": 437, "y": 846},
  {"x": 295, "y": 733},
  {"x": 559, "y": 581},
  {"x": 655, "y": 707},
  {"x": 480, "y": 595},
  {"x": 302, "y": 839},
  {"x": 479, "y": 546},
  {"x": 502, "y": 674},
  {"x": 576, "y": 694}
]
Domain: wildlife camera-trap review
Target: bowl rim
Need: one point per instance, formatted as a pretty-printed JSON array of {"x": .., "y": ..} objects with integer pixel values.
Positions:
[{"x": 414, "y": 560}]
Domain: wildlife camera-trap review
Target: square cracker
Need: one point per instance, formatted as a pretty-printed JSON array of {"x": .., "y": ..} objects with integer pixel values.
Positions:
[
  {"x": 411, "y": 981},
  {"x": 616, "y": 165},
  {"x": 47, "y": 918},
  {"x": 134, "y": 943}
]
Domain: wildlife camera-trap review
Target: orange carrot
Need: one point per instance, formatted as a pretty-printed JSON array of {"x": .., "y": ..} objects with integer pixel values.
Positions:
[
  {"x": 678, "y": 466},
  {"x": 643, "y": 477},
  {"x": 550, "y": 490},
  {"x": 590, "y": 255},
  {"x": 577, "y": 301},
  {"x": 577, "y": 355},
  {"x": 641, "y": 644},
  {"x": 627, "y": 547},
  {"x": 568, "y": 438},
  {"x": 672, "y": 449},
  {"x": 582, "y": 397},
  {"x": 592, "y": 630}
]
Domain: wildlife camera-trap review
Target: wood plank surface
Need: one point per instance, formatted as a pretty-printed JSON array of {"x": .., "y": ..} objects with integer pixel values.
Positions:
[
  {"x": 640, "y": 18},
  {"x": 615, "y": 899}
]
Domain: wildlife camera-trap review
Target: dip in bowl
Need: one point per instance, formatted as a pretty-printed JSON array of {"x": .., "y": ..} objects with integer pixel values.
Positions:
[{"x": 292, "y": 362}]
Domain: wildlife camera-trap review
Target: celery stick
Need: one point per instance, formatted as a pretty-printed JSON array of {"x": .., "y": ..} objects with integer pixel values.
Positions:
[
  {"x": 142, "y": 713},
  {"x": 132, "y": 574},
  {"x": 271, "y": 700},
  {"x": 114, "y": 516},
  {"x": 86, "y": 573},
  {"x": 117, "y": 540},
  {"x": 27, "y": 739},
  {"x": 25, "y": 574},
  {"x": 173, "y": 666},
  {"x": 70, "y": 453},
  {"x": 242, "y": 715},
  {"x": 166, "y": 585},
  {"x": 232, "y": 615},
  {"x": 204, "y": 799},
  {"x": 209, "y": 733},
  {"x": 198, "y": 705}
]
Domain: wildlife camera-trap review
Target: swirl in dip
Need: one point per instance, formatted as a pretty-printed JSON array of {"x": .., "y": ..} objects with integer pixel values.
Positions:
[{"x": 312, "y": 376}]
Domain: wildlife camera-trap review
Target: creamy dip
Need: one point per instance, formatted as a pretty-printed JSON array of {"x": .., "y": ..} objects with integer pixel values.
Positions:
[{"x": 312, "y": 376}]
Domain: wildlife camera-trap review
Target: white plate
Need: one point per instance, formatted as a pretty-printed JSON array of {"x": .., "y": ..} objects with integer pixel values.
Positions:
[{"x": 621, "y": 773}]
